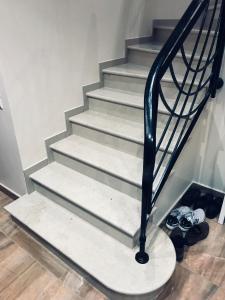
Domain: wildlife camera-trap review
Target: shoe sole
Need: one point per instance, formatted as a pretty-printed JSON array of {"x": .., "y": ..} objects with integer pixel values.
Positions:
[
  {"x": 171, "y": 227},
  {"x": 184, "y": 229}
]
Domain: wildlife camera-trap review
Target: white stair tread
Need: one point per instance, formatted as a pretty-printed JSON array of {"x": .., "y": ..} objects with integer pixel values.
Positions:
[
  {"x": 155, "y": 47},
  {"x": 102, "y": 201},
  {"x": 111, "y": 124},
  {"x": 120, "y": 164},
  {"x": 131, "y": 99},
  {"x": 127, "y": 129},
  {"x": 171, "y": 28},
  {"x": 118, "y": 96},
  {"x": 139, "y": 71},
  {"x": 102, "y": 257}
]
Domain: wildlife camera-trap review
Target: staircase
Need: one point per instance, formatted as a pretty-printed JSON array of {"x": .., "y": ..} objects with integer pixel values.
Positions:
[{"x": 86, "y": 203}]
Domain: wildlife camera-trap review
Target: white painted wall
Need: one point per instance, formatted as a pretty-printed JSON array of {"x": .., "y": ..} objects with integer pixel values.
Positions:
[
  {"x": 212, "y": 171},
  {"x": 170, "y": 9},
  {"x": 11, "y": 175},
  {"x": 49, "y": 49}
]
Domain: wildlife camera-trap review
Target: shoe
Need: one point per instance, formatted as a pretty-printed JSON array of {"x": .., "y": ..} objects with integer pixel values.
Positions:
[
  {"x": 192, "y": 218},
  {"x": 175, "y": 216},
  {"x": 190, "y": 197},
  {"x": 197, "y": 233},
  {"x": 203, "y": 201},
  {"x": 211, "y": 205},
  {"x": 214, "y": 207},
  {"x": 179, "y": 243}
]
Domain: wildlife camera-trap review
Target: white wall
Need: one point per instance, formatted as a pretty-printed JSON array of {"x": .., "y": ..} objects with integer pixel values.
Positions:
[
  {"x": 212, "y": 171},
  {"x": 11, "y": 175},
  {"x": 170, "y": 9},
  {"x": 49, "y": 49}
]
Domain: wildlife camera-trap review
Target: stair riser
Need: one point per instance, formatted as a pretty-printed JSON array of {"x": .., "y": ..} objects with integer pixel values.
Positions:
[
  {"x": 129, "y": 188},
  {"x": 147, "y": 59},
  {"x": 115, "y": 142},
  {"x": 118, "y": 110},
  {"x": 85, "y": 215},
  {"x": 134, "y": 84},
  {"x": 161, "y": 35}
]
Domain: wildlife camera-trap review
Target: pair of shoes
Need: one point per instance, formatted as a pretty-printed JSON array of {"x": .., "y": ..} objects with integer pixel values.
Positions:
[
  {"x": 210, "y": 204},
  {"x": 184, "y": 218},
  {"x": 194, "y": 235}
]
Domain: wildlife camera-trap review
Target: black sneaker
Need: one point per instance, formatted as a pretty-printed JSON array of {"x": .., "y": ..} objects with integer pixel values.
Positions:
[
  {"x": 176, "y": 214},
  {"x": 197, "y": 233}
]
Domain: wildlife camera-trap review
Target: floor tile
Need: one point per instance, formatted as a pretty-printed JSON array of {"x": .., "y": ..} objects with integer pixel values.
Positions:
[
  {"x": 40, "y": 253},
  {"x": 13, "y": 266},
  {"x": 185, "y": 285},
  {"x": 210, "y": 267}
]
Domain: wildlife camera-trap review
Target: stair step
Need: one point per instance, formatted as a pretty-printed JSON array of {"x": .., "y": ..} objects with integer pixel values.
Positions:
[
  {"x": 161, "y": 33},
  {"x": 155, "y": 47},
  {"x": 110, "y": 210},
  {"x": 139, "y": 71},
  {"x": 122, "y": 165},
  {"x": 127, "y": 99},
  {"x": 101, "y": 257},
  {"x": 118, "y": 96},
  {"x": 120, "y": 127}
]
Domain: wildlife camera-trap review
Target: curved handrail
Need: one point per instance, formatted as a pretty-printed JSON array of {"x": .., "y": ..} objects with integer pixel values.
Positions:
[{"x": 197, "y": 9}]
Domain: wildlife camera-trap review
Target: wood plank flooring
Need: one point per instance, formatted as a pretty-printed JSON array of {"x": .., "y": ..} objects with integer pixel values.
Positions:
[{"x": 29, "y": 271}]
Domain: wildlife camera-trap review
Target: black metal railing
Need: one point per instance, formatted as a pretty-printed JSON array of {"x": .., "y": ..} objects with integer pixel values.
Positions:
[{"x": 194, "y": 79}]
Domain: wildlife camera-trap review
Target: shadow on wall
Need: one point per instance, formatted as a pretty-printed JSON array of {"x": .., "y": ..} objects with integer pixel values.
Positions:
[{"x": 213, "y": 166}]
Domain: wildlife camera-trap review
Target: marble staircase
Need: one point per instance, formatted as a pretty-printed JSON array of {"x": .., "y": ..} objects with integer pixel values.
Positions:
[{"x": 86, "y": 202}]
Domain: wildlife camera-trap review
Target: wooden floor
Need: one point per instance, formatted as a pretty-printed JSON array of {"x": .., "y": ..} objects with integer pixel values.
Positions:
[{"x": 28, "y": 271}]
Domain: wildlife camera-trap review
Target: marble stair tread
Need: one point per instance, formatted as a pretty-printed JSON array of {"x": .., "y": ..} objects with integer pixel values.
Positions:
[
  {"x": 155, "y": 47},
  {"x": 118, "y": 96},
  {"x": 140, "y": 71},
  {"x": 103, "y": 258},
  {"x": 131, "y": 99},
  {"x": 113, "y": 207},
  {"x": 172, "y": 24},
  {"x": 126, "y": 129},
  {"x": 119, "y": 164}
]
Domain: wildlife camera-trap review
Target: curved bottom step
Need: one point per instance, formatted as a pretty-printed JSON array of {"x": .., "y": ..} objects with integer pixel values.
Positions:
[{"x": 106, "y": 261}]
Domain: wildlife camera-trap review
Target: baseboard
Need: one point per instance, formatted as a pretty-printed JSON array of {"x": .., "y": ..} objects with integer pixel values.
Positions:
[
  {"x": 142, "y": 39},
  {"x": 41, "y": 164},
  {"x": 10, "y": 193}
]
